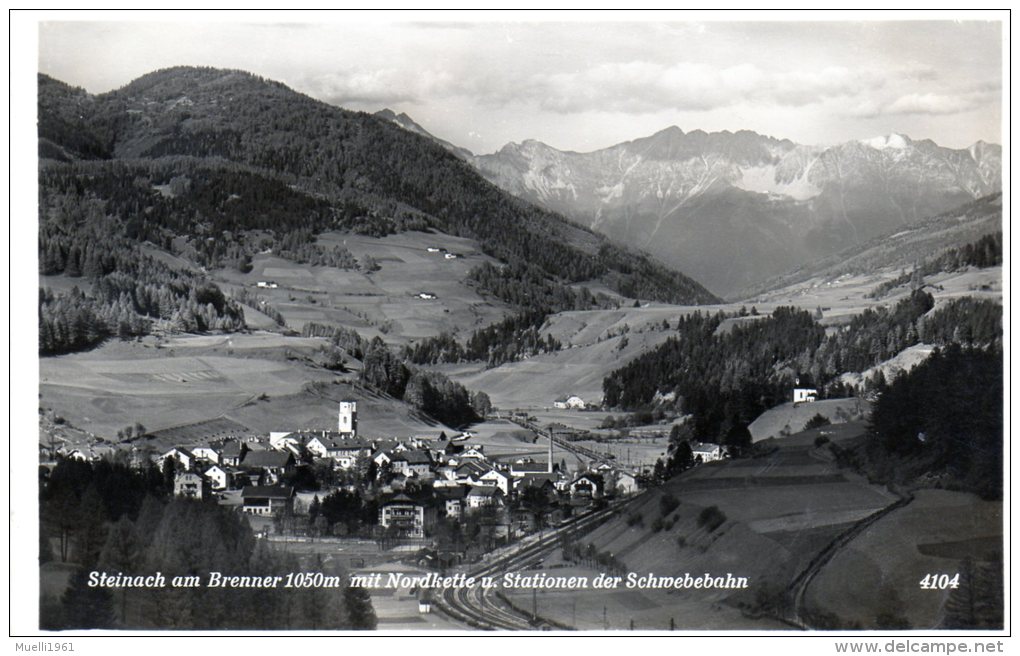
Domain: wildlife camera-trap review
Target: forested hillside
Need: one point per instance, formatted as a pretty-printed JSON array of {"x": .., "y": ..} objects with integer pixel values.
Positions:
[
  {"x": 725, "y": 380},
  {"x": 207, "y": 154}
]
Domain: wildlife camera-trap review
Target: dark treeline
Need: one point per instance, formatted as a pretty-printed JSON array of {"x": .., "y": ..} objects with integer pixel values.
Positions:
[
  {"x": 383, "y": 370},
  {"x": 342, "y": 157},
  {"x": 967, "y": 321},
  {"x": 525, "y": 287},
  {"x": 429, "y": 391},
  {"x": 944, "y": 417},
  {"x": 346, "y": 339},
  {"x": 111, "y": 518},
  {"x": 515, "y": 337},
  {"x": 983, "y": 253},
  {"x": 435, "y": 350},
  {"x": 873, "y": 336},
  {"x": 724, "y": 380},
  {"x": 299, "y": 246}
]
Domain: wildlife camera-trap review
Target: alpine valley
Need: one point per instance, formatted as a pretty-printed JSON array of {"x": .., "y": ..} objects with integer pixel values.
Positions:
[{"x": 279, "y": 336}]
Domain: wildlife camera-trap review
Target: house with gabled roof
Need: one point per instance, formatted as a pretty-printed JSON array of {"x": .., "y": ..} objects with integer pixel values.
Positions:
[
  {"x": 472, "y": 452},
  {"x": 404, "y": 513},
  {"x": 232, "y": 452},
  {"x": 267, "y": 499},
  {"x": 414, "y": 462},
  {"x": 484, "y": 496},
  {"x": 627, "y": 483},
  {"x": 189, "y": 485},
  {"x": 543, "y": 481},
  {"x": 206, "y": 453},
  {"x": 274, "y": 464},
  {"x": 184, "y": 457},
  {"x": 587, "y": 485},
  {"x": 707, "y": 451},
  {"x": 380, "y": 457},
  {"x": 500, "y": 479},
  {"x": 470, "y": 470},
  {"x": 220, "y": 478},
  {"x": 452, "y": 500}
]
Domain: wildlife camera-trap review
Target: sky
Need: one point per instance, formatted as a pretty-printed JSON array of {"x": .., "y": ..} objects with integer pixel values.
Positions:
[{"x": 586, "y": 85}]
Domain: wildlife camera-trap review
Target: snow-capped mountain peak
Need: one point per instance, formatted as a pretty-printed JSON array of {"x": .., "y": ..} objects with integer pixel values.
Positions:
[{"x": 892, "y": 140}]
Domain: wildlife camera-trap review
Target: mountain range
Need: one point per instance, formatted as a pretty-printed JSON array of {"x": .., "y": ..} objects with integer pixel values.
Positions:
[{"x": 734, "y": 208}]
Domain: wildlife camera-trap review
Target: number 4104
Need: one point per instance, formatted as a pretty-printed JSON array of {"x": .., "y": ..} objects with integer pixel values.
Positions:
[{"x": 940, "y": 582}]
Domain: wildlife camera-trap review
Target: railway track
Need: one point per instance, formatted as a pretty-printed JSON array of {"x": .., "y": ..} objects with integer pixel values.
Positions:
[{"x": 486, "y": 608}]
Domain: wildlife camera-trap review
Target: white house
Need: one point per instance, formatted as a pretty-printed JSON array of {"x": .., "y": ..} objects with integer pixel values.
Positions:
[
  {"x": 426, "y": 296},
  {"x": 380, "y": 458},
  {"x": 626, "y": 483},
  {"x": 184, "y": 457},
  {"x": 267, "y": 284},
  {"x": 572, "y": 402},
  {"x": 451, "y": 256},
  {"x": 483, "y": 496},
  {"x": 433, "y": 249},
  {"x": 804, "y": 395},
  {"x": 453, "y": 499},
  {"x": 219, "y": 478},
  {"x": 497, "y": 478},
  {"x": 206, "y": 453},
  {"x": 707, "y": 451}
]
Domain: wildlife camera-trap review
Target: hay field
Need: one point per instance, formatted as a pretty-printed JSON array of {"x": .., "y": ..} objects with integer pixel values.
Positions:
[
  {"x": 536, "y": 382},
  {"x": 790, "y": 418},
  {"x": 260, "y": 381},
  {"x": 383, "y": 303}
]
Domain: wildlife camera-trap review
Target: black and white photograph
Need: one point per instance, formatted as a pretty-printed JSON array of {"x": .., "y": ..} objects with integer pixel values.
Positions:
[{"x": 436, "y": 323}]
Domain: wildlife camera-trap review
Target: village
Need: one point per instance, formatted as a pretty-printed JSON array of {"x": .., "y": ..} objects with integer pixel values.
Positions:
[{"x": 403, "y": 493}]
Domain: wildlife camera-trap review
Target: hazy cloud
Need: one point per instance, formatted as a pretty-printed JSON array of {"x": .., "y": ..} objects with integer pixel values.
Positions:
[
  {"x": 586, "y": 84},
  {"x": 642, "y": 86},
  {"x": 386, "y": 86},
  {"x": 930, "y": 103}
]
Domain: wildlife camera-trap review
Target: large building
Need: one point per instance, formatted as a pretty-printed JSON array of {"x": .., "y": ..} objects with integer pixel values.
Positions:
[{"x": 406, "y": 515}]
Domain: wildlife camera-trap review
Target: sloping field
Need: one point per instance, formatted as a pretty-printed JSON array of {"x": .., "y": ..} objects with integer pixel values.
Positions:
[
  {"x": 540, "y": 380},
  {"x": 931, "y": 535},
  {"x": 385, "y": 302},
  {"x": 258, "y": 386},
  {"x": 848, "y": 294},
  {"x": 776, "y": 513},
  {"x": 790, "y": 418}
]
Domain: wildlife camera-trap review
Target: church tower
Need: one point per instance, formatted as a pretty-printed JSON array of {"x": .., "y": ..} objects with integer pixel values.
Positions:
[{"x": 349, "y": 418}]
